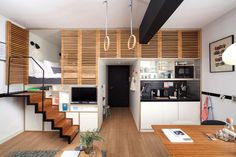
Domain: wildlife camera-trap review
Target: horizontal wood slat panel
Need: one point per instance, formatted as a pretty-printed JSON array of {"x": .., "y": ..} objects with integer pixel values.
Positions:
[
  {"x": 17, "y": 46},
  {"x": 88, "y": 57},
  {"x": 190, "y": 44},
  {"x": 169, "y": 44},
  {"x": 150, "y": 50},
  {"x": 112, "y": 52},
  {"x": 69, "y": 60},
  {"x": 81, "y": 50}
]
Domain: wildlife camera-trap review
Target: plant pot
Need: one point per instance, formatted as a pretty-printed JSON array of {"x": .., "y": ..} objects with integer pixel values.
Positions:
[{"x": 88, "y": 149}]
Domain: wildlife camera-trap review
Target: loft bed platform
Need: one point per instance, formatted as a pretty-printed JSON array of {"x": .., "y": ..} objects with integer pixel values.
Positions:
[{"x": 49, "y": 81}]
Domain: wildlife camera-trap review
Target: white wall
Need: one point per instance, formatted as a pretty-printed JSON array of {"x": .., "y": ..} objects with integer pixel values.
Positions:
[
  {"x": 222, "y": 83},
  {"x": 11, "y": 117},
  {"x": 48, "y": 51},
  {"x": 135, "y": 95},
  {"x": 102, "y": 81},
  {"x": 11, "y": 109}
]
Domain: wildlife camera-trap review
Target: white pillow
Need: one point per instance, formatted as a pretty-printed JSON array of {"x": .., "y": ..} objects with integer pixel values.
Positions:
[
  {"x": 31, "y": 68},
  {"x": 48, "y": 66},
  {"x": 37, "y": 69},
  {"x": 55, "y": 65}
]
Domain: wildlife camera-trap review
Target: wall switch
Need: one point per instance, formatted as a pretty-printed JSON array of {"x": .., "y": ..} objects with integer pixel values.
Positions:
[{"x": 233, "y": 98}]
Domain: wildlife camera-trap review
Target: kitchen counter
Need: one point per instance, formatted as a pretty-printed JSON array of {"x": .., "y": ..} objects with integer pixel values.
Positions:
[{"x": 183, "y": 99}]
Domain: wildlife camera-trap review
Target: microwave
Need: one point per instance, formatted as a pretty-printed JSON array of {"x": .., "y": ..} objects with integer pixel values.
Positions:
[{"x": 184, "y": 71}]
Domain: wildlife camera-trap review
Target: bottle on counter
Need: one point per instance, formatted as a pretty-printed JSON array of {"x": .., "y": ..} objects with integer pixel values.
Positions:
[{"x": 158, "y": 93}]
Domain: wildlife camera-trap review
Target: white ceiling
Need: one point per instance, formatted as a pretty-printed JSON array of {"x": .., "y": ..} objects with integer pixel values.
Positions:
[
  {"x": 91, "y": 13},
  {"x": 71, "y": 13},
  {"x": 198, "y": 13}
]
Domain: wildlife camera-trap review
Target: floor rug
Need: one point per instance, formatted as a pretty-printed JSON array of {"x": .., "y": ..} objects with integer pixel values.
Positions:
[{"x": 33, "y": 154}]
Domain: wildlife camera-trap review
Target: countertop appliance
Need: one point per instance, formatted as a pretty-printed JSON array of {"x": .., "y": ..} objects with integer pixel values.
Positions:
[{"x": 182, "y": 71}]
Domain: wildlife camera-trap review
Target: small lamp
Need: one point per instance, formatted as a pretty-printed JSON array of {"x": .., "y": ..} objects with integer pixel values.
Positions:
[{"x": 229, "y": 56}]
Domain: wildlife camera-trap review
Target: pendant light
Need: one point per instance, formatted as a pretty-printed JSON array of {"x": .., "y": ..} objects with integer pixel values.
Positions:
[
  {"x": 229, "y": 56},
  {"x": 132, "y": 37},
  {"x": 106, "y": 44}
]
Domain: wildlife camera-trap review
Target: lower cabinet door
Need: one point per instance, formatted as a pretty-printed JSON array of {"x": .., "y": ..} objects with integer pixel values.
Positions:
[
  {"x": 189, "y": 113},
  {"x": 74, "y": 116},
  {"x": 169, "y": 112},
  {"x": 88, "y": 121},
  {"x": 154, "y": 113},
  {"x": 150, "y": 114}
]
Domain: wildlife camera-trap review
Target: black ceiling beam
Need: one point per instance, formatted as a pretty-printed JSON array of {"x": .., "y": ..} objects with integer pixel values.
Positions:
[{"x": 157, "y": 13}]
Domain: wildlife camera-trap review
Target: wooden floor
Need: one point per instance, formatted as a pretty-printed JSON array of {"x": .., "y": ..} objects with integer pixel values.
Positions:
[{"x": 119, "y": 131}]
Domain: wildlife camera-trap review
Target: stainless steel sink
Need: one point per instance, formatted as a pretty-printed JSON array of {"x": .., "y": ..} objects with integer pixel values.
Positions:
[
  {"x": 185, "y": 97},
  {"x": 161, "y": 98}
]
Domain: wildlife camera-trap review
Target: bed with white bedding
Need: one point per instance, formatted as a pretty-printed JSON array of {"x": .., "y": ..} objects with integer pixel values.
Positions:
[{"x": 52, "y": 72}]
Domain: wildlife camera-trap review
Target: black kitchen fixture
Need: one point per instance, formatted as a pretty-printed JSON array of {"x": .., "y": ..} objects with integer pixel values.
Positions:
[
  {"x": 34, "y": 44},
  {"x": 157, "y": 13}
]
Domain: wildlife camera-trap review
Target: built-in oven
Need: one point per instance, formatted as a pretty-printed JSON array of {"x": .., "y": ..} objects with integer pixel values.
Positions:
[{"x": 183, "y": 71}]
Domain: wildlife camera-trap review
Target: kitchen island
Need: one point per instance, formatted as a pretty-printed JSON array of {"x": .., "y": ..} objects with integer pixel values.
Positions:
[{"x": 169, "y": 112}]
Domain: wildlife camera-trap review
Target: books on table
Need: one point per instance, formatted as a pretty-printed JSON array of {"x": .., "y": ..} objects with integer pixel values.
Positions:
[
  {"x": 177, "y": 136},
  {"x": 70, "y": 154}
]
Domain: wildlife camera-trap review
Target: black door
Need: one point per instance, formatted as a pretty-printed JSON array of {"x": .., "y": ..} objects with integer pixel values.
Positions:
[{"x": 118, "y": 86}]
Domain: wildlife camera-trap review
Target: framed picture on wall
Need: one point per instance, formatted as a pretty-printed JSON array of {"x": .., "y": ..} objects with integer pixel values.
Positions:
[
  {"x": 2, "y": 51},
  {"x": 216, "y": 50}
]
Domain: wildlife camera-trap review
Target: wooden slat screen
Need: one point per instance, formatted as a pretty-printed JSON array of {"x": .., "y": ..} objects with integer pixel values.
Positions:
[
  {"x": 112, "y": 52},
  {"x": 169, "y": 44},
  {"x": 150, "y": 50},
  {"x": 70, "y": 57},
  {"x": 17, "y": 46},
  {"x": 190, "y": 44},
  {"x": 81, "y": 50},
  {"x": 88, "y": 57},
  {"x": 124, "y": 51}
]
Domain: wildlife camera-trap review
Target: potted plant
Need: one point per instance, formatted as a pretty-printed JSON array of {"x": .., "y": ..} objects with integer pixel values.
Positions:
[{"x": 87, "y": 139}]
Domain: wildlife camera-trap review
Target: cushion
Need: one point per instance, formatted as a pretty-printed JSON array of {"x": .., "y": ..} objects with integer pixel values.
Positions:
[
  {"x": 37, "y": 69},
  {"x": 56, "y": 70},
  {"x": 48, "y": 66},
  {"x": 31, "y": 68}
]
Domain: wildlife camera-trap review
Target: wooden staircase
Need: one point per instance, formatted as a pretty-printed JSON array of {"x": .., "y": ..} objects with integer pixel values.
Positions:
[{"x": 51, "y": 114}]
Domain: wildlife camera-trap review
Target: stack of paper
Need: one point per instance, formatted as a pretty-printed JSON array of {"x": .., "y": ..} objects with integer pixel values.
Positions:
[
  {"x": 177, "y": 135},
  {"x": 70, "y": 154}
]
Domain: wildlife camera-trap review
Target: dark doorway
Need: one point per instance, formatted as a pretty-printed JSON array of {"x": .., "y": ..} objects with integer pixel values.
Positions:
[{"x": 118, "y": 86}]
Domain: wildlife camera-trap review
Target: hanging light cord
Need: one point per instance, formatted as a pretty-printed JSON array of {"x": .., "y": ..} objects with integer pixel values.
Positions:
[
  {"x": 132, "y": 36},
  {"x": 106, "y": 39},
  {"x": 131, "y": 17},
  {"x": 106, "y": 2}
]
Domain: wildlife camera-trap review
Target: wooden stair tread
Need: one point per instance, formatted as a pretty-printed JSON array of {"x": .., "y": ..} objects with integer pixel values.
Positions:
[
  {"x": 49, "y": 109},
  {"x": 71, "y": 131},
  {"x": 64, "y": 123},
  {"x": 47, "y": 105},
  {"x": 27, "y": 93},
  {"x": 53, "y": 114},
  {"x": 56, "y": 116},
  {"x": 46, "y": 101}
]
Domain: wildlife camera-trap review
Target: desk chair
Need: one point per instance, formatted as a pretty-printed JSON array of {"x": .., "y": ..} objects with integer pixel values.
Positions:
[
  {"x": 213, "y": 122},
  {"x": 107, "y": 110}
]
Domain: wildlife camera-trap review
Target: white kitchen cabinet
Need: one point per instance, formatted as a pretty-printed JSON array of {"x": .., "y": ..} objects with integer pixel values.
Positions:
[
  {"x": 74, "y": 116},
  {"x": 158, "y": 113},
  {"x": 88, "y": 121},
  {"x": 189, "y": 112},
  {"x": 169, "y": 113}
]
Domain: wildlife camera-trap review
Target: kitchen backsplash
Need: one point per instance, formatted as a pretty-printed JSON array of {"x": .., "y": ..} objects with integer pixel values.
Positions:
[{"x": 168, "y": 88}]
